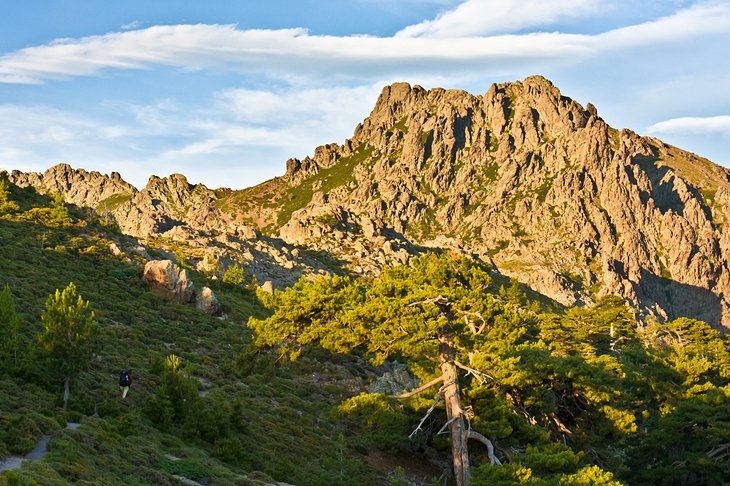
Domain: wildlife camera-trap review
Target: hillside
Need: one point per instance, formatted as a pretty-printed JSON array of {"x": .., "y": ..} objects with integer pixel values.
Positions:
[
  {"x": 298, "y": 386},
  {"x": 522, "y": 177},
  {"x": 247, "y": 423}
]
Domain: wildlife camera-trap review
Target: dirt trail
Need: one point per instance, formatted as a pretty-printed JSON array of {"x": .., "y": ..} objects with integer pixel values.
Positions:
[{"x": 15, "y": 462}]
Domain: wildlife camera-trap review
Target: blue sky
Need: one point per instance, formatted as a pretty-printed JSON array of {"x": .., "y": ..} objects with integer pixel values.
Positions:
[{"x": 226, "y": 91}]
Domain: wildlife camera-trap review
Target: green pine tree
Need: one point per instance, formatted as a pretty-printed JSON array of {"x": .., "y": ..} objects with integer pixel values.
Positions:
[
  {"x": 433, "y": 313},
  {"x": 69, "y": 326},
  {"x": 6, "y": 204},
  {"x": 9, "y": 324},
  {"x": 59, "y": 211}
]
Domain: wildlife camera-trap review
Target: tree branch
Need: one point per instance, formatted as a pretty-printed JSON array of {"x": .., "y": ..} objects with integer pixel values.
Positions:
[
  {"x": 455, "y": 417},
  {"x": 476, "y": 373},
  {"x": 471, "y": 325},
  {"x": 719, "y": 452},
  {"x": 490, "y": 448},
  {"x": 439, "y": 300},
  {"x": 428, "y": 413},
  {"x": 420, "y": 388}
]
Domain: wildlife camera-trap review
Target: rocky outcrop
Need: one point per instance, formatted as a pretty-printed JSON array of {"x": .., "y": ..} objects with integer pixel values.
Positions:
[
  {"x": 394, "y": 381},
  {"x": 166, "y": 278},
  {"x": 90, "y": 189},
  {"x": 521, "y": 176},
  {"x": 167, "y": 203},
  {"x": 206, "y": 301},
  {"x": 529, "y": 179}
]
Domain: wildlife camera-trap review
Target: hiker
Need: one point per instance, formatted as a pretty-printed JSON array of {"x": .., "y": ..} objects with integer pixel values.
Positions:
[{"x": 125, "y": 380}]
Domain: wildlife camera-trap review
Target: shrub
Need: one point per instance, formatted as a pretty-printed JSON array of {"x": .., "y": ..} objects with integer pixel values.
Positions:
[{"x": 235, "y": 275}]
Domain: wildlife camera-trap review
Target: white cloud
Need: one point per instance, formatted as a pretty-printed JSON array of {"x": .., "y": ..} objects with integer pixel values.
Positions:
[
  {"x": 243, "y": 136},
  {"x": 701, "y": 19},
  {"x": 132, "y": 25},
  {"x": 293, "y": 120},
  {"x": 294, "y": 52},
  {"x": 693, "y": 125},
  {"x": 252, "y": 132},
  {"x": 489, "y": 17}
]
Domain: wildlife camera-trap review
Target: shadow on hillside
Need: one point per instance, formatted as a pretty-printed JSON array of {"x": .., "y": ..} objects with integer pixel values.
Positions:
[
  {"x": 663, "y": 193},
  {"x": 680, "y": 300},
  {"x": 318, "y": 260}
]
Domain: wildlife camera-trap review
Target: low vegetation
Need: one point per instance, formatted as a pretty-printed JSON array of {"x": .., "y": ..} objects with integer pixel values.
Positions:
[
  {"x": 275, "y": 390},
  {"x": 585, "y": 396}
]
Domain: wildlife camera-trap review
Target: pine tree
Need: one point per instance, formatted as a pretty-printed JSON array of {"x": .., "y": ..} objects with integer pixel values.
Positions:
[
  {"x": 6, "y": 204},
  {"x": 59, "y": 211},
  {"x": 69, "y": 326},
  {"x": 9, "y": 323},
  {"x": 431, "y": 313}
]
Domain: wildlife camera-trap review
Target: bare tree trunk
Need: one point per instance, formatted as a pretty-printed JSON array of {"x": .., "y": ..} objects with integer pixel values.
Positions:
[
  {"x": 66, "y": 382},
  {"x": 452, "y": 398}
]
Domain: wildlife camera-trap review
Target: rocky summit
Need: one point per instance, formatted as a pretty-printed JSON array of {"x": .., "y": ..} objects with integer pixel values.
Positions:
[{"x": 522, "y": 177}]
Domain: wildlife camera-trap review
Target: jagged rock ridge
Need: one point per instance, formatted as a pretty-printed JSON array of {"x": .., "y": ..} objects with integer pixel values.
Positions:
[
  {"x": 521, "y": 176},
  {"x": 539, "y": 184}
]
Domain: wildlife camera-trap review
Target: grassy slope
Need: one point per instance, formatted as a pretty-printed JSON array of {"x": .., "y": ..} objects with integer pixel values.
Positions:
[
  {"x": 289, "y": 433},
  {"x": 271, "y": 204}
]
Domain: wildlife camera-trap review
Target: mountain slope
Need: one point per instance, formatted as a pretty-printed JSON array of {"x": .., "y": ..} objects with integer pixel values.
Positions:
[
  {"x": 521, "y": 176},
  {"x": 541, "y": 185}
]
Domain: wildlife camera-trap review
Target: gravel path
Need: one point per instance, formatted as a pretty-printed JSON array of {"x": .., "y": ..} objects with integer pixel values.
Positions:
[{"x": 14, "y": 462}]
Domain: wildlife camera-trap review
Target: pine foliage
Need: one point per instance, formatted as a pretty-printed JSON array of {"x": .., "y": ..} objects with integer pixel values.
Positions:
[
  {"x": 586, "y": 396},
  {"x": 69, "y": 327},
  {"x": 9, "y": 327}
]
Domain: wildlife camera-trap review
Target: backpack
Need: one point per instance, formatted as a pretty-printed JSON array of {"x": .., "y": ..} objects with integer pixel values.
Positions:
[{"x": 124, "y": 378}]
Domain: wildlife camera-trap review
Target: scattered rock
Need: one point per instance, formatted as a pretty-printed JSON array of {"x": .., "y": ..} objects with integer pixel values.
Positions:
[
  {"x": 395, "y": 381},
  {"x": 165, "y": 277},
  {"x": 268, "y": 286},
  {"x": 206, "y": 301},
  {"x": 114, "y": 248}
]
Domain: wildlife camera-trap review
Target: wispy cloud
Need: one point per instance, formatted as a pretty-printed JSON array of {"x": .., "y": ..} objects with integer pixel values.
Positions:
[
  {"x": 248, "y": 132},
  {"x": 132, "y": 25},
  {"x": 290, "y": 52},
  {"x": 489, "y": 17},
  {"x": 693, "y": 125},
  {"x": 702, "y": 19}
]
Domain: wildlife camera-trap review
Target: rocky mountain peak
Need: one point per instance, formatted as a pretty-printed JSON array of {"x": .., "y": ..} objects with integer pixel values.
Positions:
[
  {"x": 78, "y": 186},
  {"x": 522, "y": 176},
  {"x": 532, "y": 180}
]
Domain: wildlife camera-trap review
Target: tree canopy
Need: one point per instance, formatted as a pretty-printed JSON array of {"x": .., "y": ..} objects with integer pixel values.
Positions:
[
  {"x": 69, "y": 325},
  {"x": 584, "y": 396}
]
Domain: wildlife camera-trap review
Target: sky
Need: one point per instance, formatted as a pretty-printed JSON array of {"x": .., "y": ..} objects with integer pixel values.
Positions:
[{"x": 225, "y": 91}]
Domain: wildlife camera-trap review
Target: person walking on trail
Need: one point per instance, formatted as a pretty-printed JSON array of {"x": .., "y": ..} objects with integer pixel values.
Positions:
[{"x": 125, "y": 381}]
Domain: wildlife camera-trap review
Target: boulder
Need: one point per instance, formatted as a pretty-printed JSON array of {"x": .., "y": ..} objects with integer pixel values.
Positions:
[
  {"x": 114, "y": 248},
  {"x": 395, "y": 381},
  {"x": 164, "y": 277},
  {"x": 206, "y": 301},
  {"x": 268, "y": 286}
]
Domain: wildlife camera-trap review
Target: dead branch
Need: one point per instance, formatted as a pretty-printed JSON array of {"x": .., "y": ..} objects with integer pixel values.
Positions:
[
  {"x": 560, "y": 425},
  {"x": 439, "y": 300},
  {"x": 719, "y": 452},
  {"x": 476, "y": 373},
  {"x": 421, "y": 388},
  {"x": 490, "y": 448},
  {"x": 471, "y": 325},
  {"x": 441, "y": 430},
  {"x": 428, "y": 413}
]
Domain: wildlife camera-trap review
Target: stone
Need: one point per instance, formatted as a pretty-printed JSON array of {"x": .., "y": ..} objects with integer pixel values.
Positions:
[
  {"x": 168, "y": 279},
  {"x": 268, "y": 286},
  {"x": 206, "y": 301},
  {"x": 527, "y": 178}
]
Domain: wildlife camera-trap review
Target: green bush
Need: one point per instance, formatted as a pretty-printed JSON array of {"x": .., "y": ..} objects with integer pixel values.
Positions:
[{"x": 22, "y": 435}]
